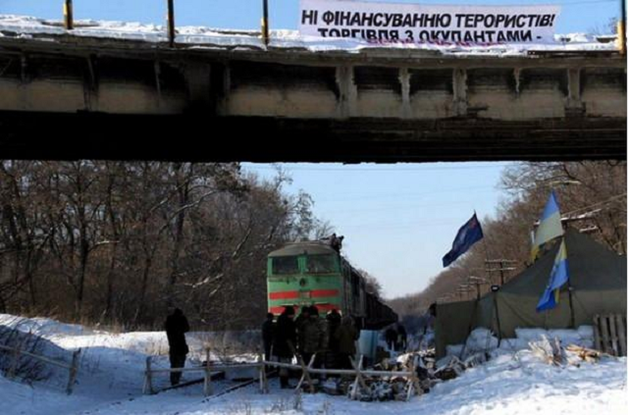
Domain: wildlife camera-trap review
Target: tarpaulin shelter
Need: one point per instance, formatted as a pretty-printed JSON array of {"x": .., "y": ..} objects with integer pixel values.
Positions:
[{"x": 598, "y": 286}]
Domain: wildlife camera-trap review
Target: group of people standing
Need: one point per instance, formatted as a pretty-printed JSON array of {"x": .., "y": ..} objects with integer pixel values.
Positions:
[
  {"x": 331, "y": 341},
  {"x": 396, "y": 338}
]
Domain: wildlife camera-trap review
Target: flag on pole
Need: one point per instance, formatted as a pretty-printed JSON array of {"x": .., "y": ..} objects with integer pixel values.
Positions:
[
  {"x": 550, "y": 226},
  {"x": 468, "y": 234},
  {"x": 558, "y": 277}
]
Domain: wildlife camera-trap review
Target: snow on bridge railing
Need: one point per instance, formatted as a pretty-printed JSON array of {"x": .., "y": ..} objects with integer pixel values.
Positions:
[{"x": 68, "y": 20}]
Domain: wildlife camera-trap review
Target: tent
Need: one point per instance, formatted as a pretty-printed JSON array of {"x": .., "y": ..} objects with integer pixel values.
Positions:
[{"x": 598, "y": 286}]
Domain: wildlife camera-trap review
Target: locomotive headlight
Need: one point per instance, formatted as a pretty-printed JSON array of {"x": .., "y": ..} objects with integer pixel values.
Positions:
[{"x": 303, "y": 282}]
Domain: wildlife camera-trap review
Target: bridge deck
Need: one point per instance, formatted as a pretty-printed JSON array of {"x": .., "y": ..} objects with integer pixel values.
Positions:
[{"x": 296, "y": 104}]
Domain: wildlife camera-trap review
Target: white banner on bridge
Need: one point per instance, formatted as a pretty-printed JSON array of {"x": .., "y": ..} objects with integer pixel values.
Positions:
[{"x": 423, "y": 23}]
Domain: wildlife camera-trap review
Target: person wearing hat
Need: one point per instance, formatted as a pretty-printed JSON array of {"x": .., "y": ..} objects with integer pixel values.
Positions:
[
  {"x": 176, "y": 326},
  {"x": 285, "y": 339}
]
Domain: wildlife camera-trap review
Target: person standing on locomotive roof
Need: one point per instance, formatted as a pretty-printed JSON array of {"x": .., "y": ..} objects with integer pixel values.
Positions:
[
  {"x": 176, "y": 326},
  {"x": 285, "y": 339}
]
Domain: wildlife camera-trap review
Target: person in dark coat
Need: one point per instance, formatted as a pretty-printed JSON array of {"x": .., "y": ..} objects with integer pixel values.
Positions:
[
  {"x": 268, "y": 334},
  {"x": 176, "y": 326},
  {"x": 285, "y": 339},
  {"x": 300, "y": 323},
  {"x": 391, "y": 337},
  {"x": 402, "y": 337},
  {"x": 333, "y": 322},
  {"x": 346, "y": 335}
]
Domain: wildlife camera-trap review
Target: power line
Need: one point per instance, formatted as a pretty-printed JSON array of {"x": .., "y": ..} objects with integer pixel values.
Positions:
[
  {"x": 404, "y": 195},
  {"x": 350, "y": 168},
  {"x": 596, "y": 204}
]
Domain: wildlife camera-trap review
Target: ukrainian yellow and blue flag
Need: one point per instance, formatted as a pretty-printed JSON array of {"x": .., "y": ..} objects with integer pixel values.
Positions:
[
  {"x": 558, "y": 277},
  {"x": 550, "y": 226}
]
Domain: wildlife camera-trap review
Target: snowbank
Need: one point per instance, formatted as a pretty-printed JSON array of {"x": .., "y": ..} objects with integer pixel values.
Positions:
[
  {"x": 200, "y": 37},
  {"x": 483, "y": 340},
  {"x": 111, "y": 375}
]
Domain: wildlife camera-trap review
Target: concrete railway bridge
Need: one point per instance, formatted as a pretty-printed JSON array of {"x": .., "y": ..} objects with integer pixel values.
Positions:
[{"x": 121, "y": 99}]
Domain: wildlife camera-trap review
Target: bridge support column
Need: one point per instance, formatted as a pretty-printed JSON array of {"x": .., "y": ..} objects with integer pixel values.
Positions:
[
  {"x": 348, "y": 91},
  {"x": 404, "y": 80},
  {"x": 574, "y": 107},
  {"x": 460, "y": 92},
  {"x": 198, "y": 81}
]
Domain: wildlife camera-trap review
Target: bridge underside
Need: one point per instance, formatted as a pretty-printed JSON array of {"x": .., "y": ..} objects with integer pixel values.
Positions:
[
  {"x": 260, "y": 139},
  {"x": 129, "y": 100}
]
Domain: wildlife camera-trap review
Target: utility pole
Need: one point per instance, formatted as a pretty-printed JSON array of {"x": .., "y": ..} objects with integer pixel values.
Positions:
[
  {"x": 171, "y": 29},
  {"x": 502, "y": 267},
  {"x": 265, "y": 35},
  {"x": 621, "y": 29},
  {"x": 68, "y": 15}
]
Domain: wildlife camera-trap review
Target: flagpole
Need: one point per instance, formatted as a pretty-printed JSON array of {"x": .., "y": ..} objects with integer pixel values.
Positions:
[{"x": 572, "y": 315}]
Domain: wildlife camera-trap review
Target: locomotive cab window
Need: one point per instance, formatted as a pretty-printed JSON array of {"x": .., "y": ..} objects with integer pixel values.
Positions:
[
  {"x": 285, "y": 265},
  {"x": 321, "y": 264}
]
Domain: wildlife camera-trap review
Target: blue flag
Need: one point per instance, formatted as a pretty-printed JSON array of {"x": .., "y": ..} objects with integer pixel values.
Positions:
[
  {"x": 470, "y": 233},
  {"x": 558, "y": 277}
]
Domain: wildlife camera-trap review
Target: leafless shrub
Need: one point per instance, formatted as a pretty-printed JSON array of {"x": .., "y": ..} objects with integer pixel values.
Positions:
[{"x": 28, "y": 368}]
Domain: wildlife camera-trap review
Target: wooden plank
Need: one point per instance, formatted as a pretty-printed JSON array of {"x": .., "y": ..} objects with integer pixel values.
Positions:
[
  {"x": 596, "y": 331},
  {"x": 621, "y": 334},
  {"x": 612, "y": 323},
  {"x": 38, "y": 357},
  {"x": 305, "y": 372},
  {"x": 605, "y": 336}
]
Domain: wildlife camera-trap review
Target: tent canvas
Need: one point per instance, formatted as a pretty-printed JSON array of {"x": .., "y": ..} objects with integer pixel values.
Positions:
[{"x": 597, "y": 278}]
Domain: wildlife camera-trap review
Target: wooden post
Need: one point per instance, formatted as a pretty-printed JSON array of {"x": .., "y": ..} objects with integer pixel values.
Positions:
[
  {"x": 171, "y": 27},
  {"x": 148, "y": 379},
  {"x": 265, "y": 35},
  {"x": 14, "y": 363},
  {"x": 358, "y": 377},
  {"x": 73, "y": 371},
  {"x": 596, "y": 330},
  {"x": 306, "y": 373},
  {"x": 621, "y": 28},
  {"x": 262, "y": 374},
  {"x": 68, "y": 15},
  {"x": 207, "y": 385}
]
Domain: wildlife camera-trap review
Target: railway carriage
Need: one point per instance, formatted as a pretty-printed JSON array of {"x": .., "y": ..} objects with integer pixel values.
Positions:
[{"x": 313, "y": 273}]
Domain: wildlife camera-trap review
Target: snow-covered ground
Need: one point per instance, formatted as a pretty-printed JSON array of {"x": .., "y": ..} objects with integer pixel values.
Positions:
[
  {"x": 111, "y": 377},
  {"x": 204, "y": 37}
]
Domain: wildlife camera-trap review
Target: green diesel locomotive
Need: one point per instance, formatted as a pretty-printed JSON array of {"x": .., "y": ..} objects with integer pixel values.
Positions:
[{"x": 313, "y": 273}]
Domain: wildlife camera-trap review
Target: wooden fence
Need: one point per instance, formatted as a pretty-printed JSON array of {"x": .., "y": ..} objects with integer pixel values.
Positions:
[
  {"x": 17, "y": 353},
  {"x": 610, "y": 333},
  {"x": 306, "y": 370}
]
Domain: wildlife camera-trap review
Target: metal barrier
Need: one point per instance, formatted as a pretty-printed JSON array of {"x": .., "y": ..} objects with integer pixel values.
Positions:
[{"x": 68, "y": 21}]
